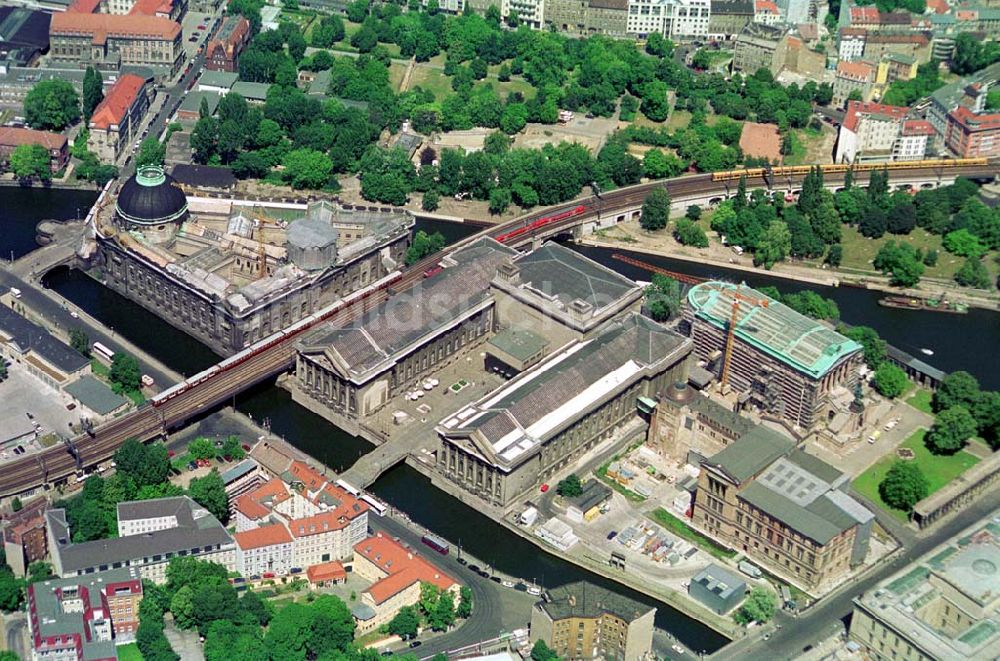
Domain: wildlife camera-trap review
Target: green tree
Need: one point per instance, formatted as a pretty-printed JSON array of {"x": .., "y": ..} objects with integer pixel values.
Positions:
[
  {"x": 288, "y": 632},
  {"x": 15, "y": 505},
  {"x": 693, "y": 213},
  {"x": 464, "y": 609},
  {"x": 80, "y": 341},
  {"x": 663, "y": 297},
  {"x": 210, "y": 492},
  {"x": 204, "y": 138},
  {"x": 145, "y": 464},
  {"x": 951, "y": 429},
  {"x": 307, "y": 168},
  {"x": 890, "y": 381},
  {"x": 430, "y": 201},
  {"x": 93, "y": 91},
  {"x": 958, "y": 388},
  {"x": 657, "y": 164},
  {"x": 52, "y": 105},
  {"x": 570, "y": 486},
  {"x": 125, "y": 373},
  {"x": 963, "y": 243},
  {"x": 424, "y": 244},
  {"x": 332, "y": 626},
  {"x": 11, "y": 590},
  {"x": 259, "y": 609},
  {"x": 182, "y": 607},
  {"x": 429, "y": 595},
  {"x": 405, "y": 623},
  {"x": 444, "y": 612},
  {"x": 900, "y": 262},
  {"x": 542, "y": 652},
  {"x": 834, "y": 255},
  {"x": 30, "y": 161},
  {"x": 39, "y": 571},
  {"x": 232, "y": 448},
  {"x": 973, "y": 274},
  {"x": 151, "y": 152},
  {"x": 655, "y": 210},
  {"x": 903, "y": 486},
  {"x": 874, "y": 347},
  {"x": 774, "y": 245},
  {"x": 202, "y": 448},
  {"x": 759, "y": 607},
  {"x": 690, "y": 234}
]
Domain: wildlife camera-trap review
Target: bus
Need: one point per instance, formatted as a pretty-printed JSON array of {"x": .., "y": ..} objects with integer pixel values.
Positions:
[
  {"x": 348, "y": 488},
  {"x": 103, "y": 352},
  {"x": 377, "y": 505},
  {"x": 436, "y": 543}
]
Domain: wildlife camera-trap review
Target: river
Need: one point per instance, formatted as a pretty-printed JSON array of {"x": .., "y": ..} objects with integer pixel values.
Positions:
[
  {"x": 23, "y": 208},
  {"x": 408, "y": 490}
]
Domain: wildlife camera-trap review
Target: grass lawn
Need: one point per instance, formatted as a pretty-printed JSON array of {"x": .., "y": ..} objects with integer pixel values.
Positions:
[
  {"x": 99, "y": 369},
  {"x": 921, "y": 400},
  {"x": 512, "y": 85},
  {"x": 129, "y": 652},
  {"x": 396, "y": 72},
  {"x": 431, "y": 79},
  {"x": 683, "y": 530},
  {"x": 938, "y": 469},
  {"x": 678, "y": 119}
]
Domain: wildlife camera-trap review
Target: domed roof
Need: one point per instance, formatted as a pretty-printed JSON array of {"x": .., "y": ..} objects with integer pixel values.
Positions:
[{"x": 151, "y": 197}]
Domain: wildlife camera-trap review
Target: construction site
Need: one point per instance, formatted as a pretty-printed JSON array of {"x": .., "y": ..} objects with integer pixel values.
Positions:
[{"x": 232, "y": 273}]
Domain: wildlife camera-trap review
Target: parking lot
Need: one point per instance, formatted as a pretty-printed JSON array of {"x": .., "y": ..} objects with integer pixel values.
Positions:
[
  {"x": 189, "y": 29},
  {"x": 22, "y": 394}
]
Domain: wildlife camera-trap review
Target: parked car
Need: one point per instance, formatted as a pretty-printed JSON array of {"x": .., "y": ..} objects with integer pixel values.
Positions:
[
  {"x": 544, "y": 488},
  {"x": 415, "y": 643},
  {"x": 612, "y": 534}
]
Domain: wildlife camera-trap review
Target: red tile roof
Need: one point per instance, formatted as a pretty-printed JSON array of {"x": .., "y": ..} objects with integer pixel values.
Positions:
[
  {"x": 861, "y": 71},
  {"x": 13, "y": 137},
  {"x": 973, "y": 122},
  {"x": 938, "y": 6},
  {"x": 917, "y": 127},
  {"x": 853, "y": 32},
  {"x": 766, "y": 6},
  {"x": 152, "y": 8},
  {"x": 857, "y": 109},
  {"x": 250, "y": 504},
  {"x": 263, "y": 536},
  {"x": 403, "y": 566},
  {"x": 100, "y": 26},
  {"x": 85, "y": 6},
  {"x": 307, "y": 475},
  {"x": 114, "y": 107},
  {"x": 318, "y": 524},
  {"x": 864, "y": 15},
  {"x": 326, "y": 571}
]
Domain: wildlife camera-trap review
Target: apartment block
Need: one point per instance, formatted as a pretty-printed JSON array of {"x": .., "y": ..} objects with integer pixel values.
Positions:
[
  {"x": 758, "y": 47},
  {"x": 869, "y": 132},
  {"x": 729, "y": 17},
  {"x": 116, "y": 121},
  {"x": 674, "y": 19},
  {"x": 108, "y": 41},
  {"x": 83, "y": 618},
  {"x": 55, "y": 144},
  {"x": 24, "y": 539},
  {"x": 852, "y": 78},
  {"x": 583, "y": 621},
  {"x": 266, "y": 549},
  {"x": 783, "y": 508},
  {"x": 224, "y": 48}
]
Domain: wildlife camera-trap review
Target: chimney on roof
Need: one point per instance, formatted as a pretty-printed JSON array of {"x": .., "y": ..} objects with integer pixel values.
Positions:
[{"x": 409, "y": 556}]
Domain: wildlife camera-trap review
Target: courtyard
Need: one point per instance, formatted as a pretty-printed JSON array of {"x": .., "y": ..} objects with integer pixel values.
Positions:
[{"x": 32, "y": 414}]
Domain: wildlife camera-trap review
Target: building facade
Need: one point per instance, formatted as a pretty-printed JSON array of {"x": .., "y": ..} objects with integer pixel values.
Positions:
[
  {"x": 546, "y": 418},
  {"x": 55, "y": 144},
  {"x": 870, "y": 132},
  {"x": 972, "y": 135},
  {"x": 224, "y": 48},
  {"x": 759, "y": 47},
  {"x": 583, "y": 621},
  {"x": 852, "y": 78},
  {"x": 264, "y": 550},
  {"x": 71, "y": 619},
  {"x": 783, "y": 508},
  {"x": 674, "y": 19},
  {"x": 729, "y": 17},
  {"x": 942, "y": 606},
  {"x": 116, "y": 121},
  {"x": 110, "y": 41},
  {"x": 24, "y": 536},
  {"x": 586, "y": 17},
  {"x": 786, "y": 365}
]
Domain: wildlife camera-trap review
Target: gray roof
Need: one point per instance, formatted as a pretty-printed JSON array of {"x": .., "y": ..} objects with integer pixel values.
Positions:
[
  {"x": 192, "y": 102},
  {"x": 519, "y": 343},
  {"x": 155, "y": 508},
  {"x": 223, "y": 79},
  {"x": 568, "y": 276},
  {"x": 95, "y": 395},
  {"x": 312, "y": 233},
  {"x": 920, "y": 366},
  {"x": 721, "y": 581},
  {"x": 203, "y": 175},
  {"x": 412, "y": 316},
  {"x": 238, "y": 471},
  {"x": 743, "y": 7},
  {"x": 201, "y": 530},
  {"x": 251, "y": 91},
  {"x": 44, "y": 601},
  {"x": 29, "y": 336},
  {"x": 754, "y": 452},
  {"x": 715, "y": 413},
  {"x": 594, "y": 493},
  {"x": 811, "y": 522},
  {"x": 949, "y": 95},
  {"x": 582, "y": 599}
]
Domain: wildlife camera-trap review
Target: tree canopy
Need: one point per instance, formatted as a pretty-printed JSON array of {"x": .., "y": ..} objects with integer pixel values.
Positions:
[
  {"x": 52, "y": 105},
  {"x": 903, "y": 486}
]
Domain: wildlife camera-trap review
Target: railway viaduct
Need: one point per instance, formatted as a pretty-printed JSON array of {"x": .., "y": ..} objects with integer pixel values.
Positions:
[{"x": 200, "y": 393}]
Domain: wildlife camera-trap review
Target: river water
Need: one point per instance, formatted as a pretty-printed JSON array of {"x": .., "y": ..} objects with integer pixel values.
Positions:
[{"x": 407, "y": 489}]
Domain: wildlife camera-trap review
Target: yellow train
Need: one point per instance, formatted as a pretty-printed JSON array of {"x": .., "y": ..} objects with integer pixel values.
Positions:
[{"x": 835, "y": 168}]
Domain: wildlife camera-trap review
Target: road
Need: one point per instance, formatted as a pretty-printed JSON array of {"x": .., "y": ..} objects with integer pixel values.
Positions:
[{"x": 834, "y": 610}]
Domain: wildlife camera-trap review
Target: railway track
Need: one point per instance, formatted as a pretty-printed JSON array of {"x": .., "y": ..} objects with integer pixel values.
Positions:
[{"x": 56, "y": 463}]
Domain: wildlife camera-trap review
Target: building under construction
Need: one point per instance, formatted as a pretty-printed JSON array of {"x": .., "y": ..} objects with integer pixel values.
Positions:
[{"x": 783, "y": 363}]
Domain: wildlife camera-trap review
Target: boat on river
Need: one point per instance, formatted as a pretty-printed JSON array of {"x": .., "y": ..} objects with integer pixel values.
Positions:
[{"x": 929, "y": 304}]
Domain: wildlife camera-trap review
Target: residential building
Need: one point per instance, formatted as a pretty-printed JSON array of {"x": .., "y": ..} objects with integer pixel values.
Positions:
[
  {"x": 529, "y": 12},
  {"x": 674, "y": 19},
  {"x": 586, "y": 17},
  {"x": 196, "y": 534},
  {"x": 41, "y": 354},
  {"x": 852, "y": 78},
  {"x": 916, "y": 45},
  {"x": 217, "y": 82},
  {"x": 851, "y": 45},
  {"x": 543, "y": 420},
  {"x": 267, "y": 549},
  {"x": 766, "y": 12},
  {"x": 783, "y": 508},
  {"x": 24, "y": 539},
  {"x": 16, "y": 82},
  {"x": 718, "y": 589},
  {"x": 242, "y": 478},
  {"x": 802, "y": 59},
  {"x": 968, "y": 92},
  {"x": 895, "y": 66},
  {"x": 55, "y": 144},
  {"x": 794, "y": 12},
  {"x": 223, "y": 50},
  {"x": 758, "y": 47},
  {"x": 784, "y": 364},
  {"x": 138, "y": 517},
  {"x": 397, "y": 572},
  {"x": 83, "y": 618},
  {"x": 941, "y": 606},
  {"x": 729, "y": 17},
  {"x": 116, "y": 121},
  {"x": 583, "y": 621},
  {"x": 326, "y": 574},
  {"x": 972, "y": 135},
  {"x": 914, "y": 141},
  {"x": 869, "y": 132},
  {"x": 110, "y": 41}
]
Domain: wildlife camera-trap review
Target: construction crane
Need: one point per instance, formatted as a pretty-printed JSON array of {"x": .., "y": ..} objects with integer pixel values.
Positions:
[
  {"x": 738, "y": 299},
  {"x": 260, "y": 221}
]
